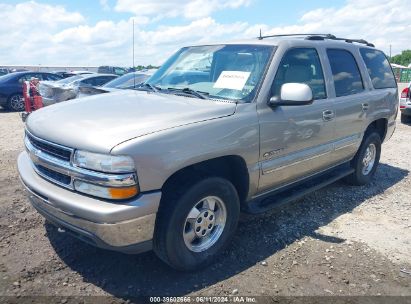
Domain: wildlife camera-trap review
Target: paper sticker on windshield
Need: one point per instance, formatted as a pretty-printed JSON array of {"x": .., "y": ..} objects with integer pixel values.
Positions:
[{"x": 234, "y": 80}]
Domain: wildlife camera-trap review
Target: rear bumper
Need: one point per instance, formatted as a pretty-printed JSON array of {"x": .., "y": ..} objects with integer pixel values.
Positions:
[{"x": 126, "y": 227}]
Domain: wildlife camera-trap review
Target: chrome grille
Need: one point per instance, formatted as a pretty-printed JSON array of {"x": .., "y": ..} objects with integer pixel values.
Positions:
[
  {"x": 49, "y": 148},
  {"x": 53, "y": 162},
  {"x": 54, "y": 176}
]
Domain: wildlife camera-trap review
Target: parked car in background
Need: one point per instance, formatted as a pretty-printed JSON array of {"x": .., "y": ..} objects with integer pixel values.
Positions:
[
  {"x": 19, "y": 70},
  {"x": 105, "y": 69},
  {"x": 66, "y": 89},
  {"x": 127, "y": 81},
  {"x": 66, "y": 74},
  {"x": 11, "y": 88},
  {"x": 405, "y": 104},
  {"x": 4, "y": 71}
]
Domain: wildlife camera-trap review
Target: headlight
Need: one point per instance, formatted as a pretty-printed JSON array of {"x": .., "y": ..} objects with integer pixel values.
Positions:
[
  {"x": 103, "y": 162},
  {"x": 115, "y": 193}
]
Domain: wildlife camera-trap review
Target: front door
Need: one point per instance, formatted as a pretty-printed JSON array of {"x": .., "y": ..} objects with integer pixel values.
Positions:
[{"x": 296, "y": 141}]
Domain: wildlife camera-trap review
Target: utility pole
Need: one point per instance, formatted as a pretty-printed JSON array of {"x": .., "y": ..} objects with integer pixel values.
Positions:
[{"x": 134, "y": 78}]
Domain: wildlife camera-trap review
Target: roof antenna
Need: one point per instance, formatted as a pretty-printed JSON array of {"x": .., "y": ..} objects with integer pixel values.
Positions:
[{"x": 260, "y": 37}]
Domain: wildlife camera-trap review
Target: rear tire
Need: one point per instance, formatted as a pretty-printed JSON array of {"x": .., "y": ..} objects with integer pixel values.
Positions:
[
  {"x": 15, "y": 103},
  {"x": 366, "y": 160},
  {"x": 405, "y": 118},
  {"x": 195, "y": 223}
]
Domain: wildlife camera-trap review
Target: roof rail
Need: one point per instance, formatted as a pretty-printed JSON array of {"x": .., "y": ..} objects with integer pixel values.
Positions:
[
  {"x": 319, "y": 37},
  {"x": 332, "y": 37},
  {"x": 288, "y": 35}
]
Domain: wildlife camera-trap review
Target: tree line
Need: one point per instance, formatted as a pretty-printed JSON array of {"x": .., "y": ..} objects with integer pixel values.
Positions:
[
  {"x": 403, "y": 59},
  {"x": 148, "y": 67}
]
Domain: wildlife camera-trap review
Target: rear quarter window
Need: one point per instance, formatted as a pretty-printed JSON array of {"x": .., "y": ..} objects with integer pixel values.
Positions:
[{"x": 378, "y": 68}]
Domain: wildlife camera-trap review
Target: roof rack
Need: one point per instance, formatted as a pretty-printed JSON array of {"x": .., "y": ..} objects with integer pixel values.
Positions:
[
  {"x": 287, "y": 35},
  {"x": 319, "y": 37}
]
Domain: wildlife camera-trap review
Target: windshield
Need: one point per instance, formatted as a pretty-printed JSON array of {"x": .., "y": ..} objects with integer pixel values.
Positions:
[
  {"x": 126, "y": 81},
  {"x": 218, "y": 71},
  {"x": 70, "y": 79}
]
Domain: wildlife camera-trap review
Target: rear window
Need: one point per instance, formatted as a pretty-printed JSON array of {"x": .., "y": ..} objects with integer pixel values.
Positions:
[{"x": 378, "y": 68}]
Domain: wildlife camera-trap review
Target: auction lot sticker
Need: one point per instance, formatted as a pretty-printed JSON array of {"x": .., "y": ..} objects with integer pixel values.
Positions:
[{"x": 234, "y": 80}]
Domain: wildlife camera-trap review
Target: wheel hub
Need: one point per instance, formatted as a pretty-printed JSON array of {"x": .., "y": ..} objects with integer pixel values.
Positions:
[
  {"x": 369, "y": 159},
  {"x": 204, "y": 223}
]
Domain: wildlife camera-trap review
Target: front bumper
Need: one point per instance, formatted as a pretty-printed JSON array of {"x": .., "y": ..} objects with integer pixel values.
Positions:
[{"x": 126, "y": 227}]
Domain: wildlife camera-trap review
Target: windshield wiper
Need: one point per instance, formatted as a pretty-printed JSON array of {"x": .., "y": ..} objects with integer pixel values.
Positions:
[
  {"x": 149, "y": 86},
  {"x": 201, "y": 95}
]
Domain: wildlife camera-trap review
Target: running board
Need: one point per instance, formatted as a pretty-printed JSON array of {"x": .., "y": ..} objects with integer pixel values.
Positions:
[{"x": 294, "y": 192}]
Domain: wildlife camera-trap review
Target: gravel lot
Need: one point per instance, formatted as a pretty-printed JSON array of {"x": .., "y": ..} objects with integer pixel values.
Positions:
[{"x": 340, "y": 240}]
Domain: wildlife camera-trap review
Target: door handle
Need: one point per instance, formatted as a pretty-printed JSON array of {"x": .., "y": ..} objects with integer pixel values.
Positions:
[
  {"x": 365, "y": 106},
  {"x": 328, "y": 115}
]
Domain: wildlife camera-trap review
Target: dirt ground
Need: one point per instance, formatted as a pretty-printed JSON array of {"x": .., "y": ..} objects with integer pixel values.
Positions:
[{"x": 338, "y": 241}]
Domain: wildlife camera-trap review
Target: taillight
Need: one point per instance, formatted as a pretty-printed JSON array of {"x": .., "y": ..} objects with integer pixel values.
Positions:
[{"x": 405, "y": 93}]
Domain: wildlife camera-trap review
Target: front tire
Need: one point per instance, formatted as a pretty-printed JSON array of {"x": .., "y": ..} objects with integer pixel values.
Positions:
[
  {"x": 366, "y": 160},
  {"x": 194, "y": 224},
  {"x": 15, "y": 102}
]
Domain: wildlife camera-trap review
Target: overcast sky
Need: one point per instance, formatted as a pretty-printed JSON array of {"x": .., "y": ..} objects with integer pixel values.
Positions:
[{"x": 97, "y": 32}]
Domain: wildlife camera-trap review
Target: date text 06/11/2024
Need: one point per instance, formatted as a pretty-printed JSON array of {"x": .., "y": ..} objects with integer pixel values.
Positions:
[{"x": 205, "y": 299}]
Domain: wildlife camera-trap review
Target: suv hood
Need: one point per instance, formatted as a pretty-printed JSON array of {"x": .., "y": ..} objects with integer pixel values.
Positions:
[{"x": 98, "y": 123}]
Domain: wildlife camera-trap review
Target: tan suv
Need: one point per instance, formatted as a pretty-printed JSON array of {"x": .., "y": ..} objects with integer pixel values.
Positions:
[{"x": 218, "y": 129}]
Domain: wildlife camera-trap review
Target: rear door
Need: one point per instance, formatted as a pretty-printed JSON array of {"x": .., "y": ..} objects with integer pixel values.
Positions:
[{"x": 350, "y": 97}]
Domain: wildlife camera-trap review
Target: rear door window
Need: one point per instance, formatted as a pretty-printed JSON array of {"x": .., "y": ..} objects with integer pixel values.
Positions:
[
  {"x": 378, "y": 68},
  {"x": 346, "y": 74},
  {"x": 98, "y": 81},
  {"x": 89, "y": 81},
  {"x": 107, "y": 79}
]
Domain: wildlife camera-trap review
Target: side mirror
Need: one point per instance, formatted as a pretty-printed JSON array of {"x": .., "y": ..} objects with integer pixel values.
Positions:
[{"x": 293, "y": 94}]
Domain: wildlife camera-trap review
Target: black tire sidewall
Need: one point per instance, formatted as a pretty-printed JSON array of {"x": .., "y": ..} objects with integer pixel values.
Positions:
[
  {"x": 360, "y": 178},
  {"x": 179, "y": 255}
]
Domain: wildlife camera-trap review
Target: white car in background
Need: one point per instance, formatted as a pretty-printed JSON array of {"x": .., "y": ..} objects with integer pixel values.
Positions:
[
  {"x": 128, "y": 81},
  {"x": 405, "y": 104},
  {"x": 68, "y": 88}
]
